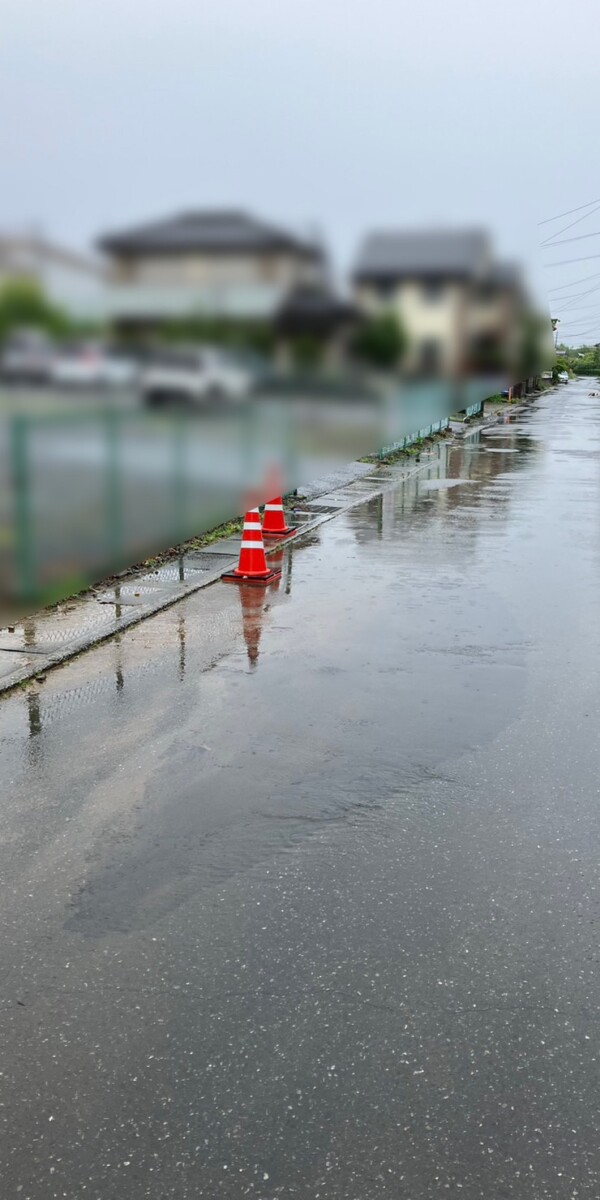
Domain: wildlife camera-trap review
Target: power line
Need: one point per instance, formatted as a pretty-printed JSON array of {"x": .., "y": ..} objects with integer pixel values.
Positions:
[
  {"x": 558, "y": 303},
  {"x": 571, "y": 304},
  {"x": 580, "y": 238},
  {"x": 582, "y": 317},
  {"x": 571, "y": 225},
  {"x": 574, "y": 282},
  {"x": 590, "y": 325},
  {"x": 578, "y": 321},
  {"x": 576, "y": 296},
  {"x": 579, "y": 332},
  {"x": 568, "y": 212},
  {"x": 584, "y": 308},
  {"x": 574, "y": 308},
  {"x": 563, "y": 262}
]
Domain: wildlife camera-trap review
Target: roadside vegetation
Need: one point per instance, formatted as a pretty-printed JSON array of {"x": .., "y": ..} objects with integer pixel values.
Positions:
[
  {"x": 579, "y": 360},
  {"x": 23, "y": 305}
]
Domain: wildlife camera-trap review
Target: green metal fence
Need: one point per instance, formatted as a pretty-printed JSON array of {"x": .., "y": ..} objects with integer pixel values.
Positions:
[{"x": 90, "y": 491}]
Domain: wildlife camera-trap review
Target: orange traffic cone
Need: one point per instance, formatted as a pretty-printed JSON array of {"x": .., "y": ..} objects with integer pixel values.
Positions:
[
  {"x": 253, "y": 608},
  {"x": 252, "y": 566},
  {"x": 274, "y": 525}
]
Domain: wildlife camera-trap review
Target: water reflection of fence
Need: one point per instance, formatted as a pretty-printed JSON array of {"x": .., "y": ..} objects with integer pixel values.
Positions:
[{"x": 88, "y": 492}]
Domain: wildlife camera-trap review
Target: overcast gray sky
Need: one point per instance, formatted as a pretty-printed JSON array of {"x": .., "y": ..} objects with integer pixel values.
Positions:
[{"x": 341, "y": 114}]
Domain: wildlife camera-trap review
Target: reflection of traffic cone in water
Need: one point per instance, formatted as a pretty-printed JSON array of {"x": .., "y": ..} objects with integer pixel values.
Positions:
[
  {"x": 274, "y": 525},
  {"x": 276, "y": 561},
  {"x": 253, "y": 607},
  {"x": 252, "y": 567}
]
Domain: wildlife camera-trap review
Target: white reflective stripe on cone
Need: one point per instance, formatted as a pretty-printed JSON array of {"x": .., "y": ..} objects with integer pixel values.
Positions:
[
  {"x": 252, "y": 525},
  {"x": 273, "y": 507},
  {"x": 252, "y": 546}
]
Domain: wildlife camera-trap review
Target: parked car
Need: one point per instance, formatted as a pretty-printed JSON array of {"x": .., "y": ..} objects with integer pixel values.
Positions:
[
  {"x": 194, "y": 376},
  {"x": 90, "y": 364},
  {"x": 563, "y": 377},
  {"x": 26, "y": 357}
]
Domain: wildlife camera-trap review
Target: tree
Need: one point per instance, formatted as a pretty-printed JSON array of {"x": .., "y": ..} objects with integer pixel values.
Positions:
[
  {"x": 561, "y": 364},
  {"x": 24, "y": 305},
  {"x": 535, "y": 347},
  {"x": 380, "y": 341},
  {"x": 219, "y": 331}
]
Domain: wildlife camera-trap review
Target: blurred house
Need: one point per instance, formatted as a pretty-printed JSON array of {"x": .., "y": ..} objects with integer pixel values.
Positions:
[
  {"x": 459, "y": 307},
  {"x": 224, "y": 264},
  {"x": 74, "y": 282}
]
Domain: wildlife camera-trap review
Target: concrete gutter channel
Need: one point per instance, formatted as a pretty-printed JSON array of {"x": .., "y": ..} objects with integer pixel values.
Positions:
[{"x": 51, "y": 637}]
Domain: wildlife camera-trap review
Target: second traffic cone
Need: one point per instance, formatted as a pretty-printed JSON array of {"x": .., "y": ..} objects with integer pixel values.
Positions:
[
  {"x": 274, "y": 525},
  {"x": 252, "y": 566}
]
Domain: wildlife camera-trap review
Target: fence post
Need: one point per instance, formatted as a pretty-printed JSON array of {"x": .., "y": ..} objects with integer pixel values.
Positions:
[
  {"x": 179, "y": 489},
  {"x": 113, "y": 497},
  {"x": 21, "y": 475}
]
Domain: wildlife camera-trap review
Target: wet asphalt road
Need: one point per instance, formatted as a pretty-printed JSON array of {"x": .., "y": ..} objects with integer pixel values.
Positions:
[{"x": 300, "y": 893}]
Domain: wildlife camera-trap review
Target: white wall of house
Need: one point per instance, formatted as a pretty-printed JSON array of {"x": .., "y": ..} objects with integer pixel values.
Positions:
[
  {"x": 70, "y": 281},
  {"x": 230, "y": 285},
  {"x": 430, "y": 315},
  {"x": 213, "y": 270},
  {"x": 81, "y": 293}
]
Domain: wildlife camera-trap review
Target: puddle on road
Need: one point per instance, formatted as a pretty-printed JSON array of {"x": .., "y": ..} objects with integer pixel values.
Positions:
[
  {"x": 327, "y": 708},
  {"x": 314, "y": 701},
  {"x": 506, "y": 429},
  {"x": 45, "y": 632}
]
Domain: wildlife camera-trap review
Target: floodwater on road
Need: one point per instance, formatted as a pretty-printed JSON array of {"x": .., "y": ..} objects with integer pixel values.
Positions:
[{"x": 300, "y": 889}]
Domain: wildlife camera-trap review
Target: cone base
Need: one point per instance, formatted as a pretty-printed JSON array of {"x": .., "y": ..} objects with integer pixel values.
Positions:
[
  {"x": 254, "y": 580},
  {"x": 281, "y": 533}
]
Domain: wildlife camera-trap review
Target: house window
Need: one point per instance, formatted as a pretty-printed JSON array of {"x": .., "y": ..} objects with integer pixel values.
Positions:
[
  {"x": 270, "y": 268},
  {"x": 385, "y": 289},
  {"x": 486, "y": 293},
  {"x": 433, "y": 290}
]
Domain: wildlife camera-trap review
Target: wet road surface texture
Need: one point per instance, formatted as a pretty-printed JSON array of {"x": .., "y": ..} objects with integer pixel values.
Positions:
[{"x": 300, "y": 890}]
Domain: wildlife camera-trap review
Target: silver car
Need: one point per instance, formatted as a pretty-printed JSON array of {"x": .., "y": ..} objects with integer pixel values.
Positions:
[
  {"x": 26, "y": 357},
  {"x": 194, "y": 376}
]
